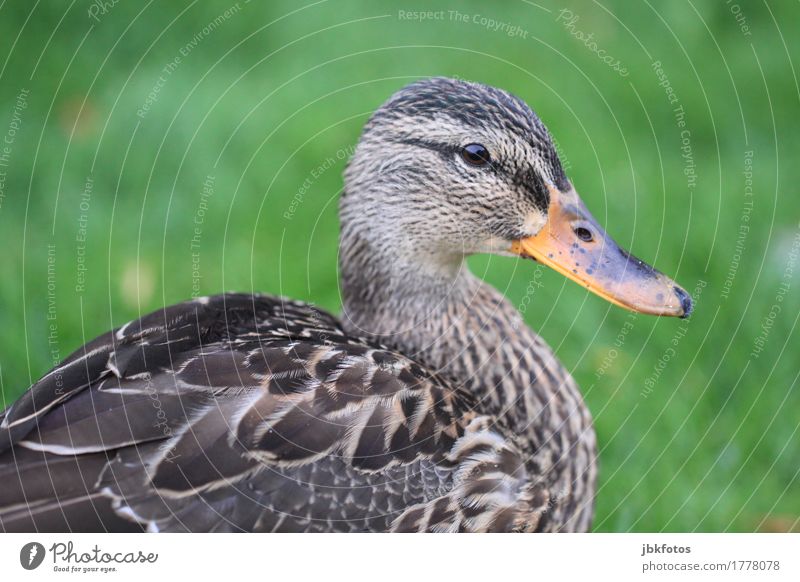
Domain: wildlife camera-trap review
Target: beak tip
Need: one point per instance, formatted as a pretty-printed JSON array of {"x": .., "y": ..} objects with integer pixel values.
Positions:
[{"x": 686, "y": 301}]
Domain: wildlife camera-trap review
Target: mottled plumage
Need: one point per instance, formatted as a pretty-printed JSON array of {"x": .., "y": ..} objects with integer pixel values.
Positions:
[
  {"x": 242, "y": 412},
  {"x": 428, "y": 406}
]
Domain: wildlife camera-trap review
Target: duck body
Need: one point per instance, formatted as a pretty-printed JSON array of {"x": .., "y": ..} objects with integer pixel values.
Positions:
[
  {"x": 191, "y": 371},
  {"x": 429, "y": 405},
  {"x": 256, "y": 413}
]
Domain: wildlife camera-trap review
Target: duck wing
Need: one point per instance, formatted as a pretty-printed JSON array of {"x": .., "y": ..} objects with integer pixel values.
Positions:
[{"x": 242, "y": 412}]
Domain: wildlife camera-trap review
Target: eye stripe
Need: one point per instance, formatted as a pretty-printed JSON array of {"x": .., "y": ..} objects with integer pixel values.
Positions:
[
  {"x": 428, "y": 144},
  {"x": 525, "y": 178}
]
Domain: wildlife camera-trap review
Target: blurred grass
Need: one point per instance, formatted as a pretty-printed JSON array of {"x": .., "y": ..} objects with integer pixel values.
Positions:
[{"x": 273, "y": 91}]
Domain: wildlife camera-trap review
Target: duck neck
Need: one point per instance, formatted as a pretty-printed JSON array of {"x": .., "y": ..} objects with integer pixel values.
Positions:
[{"x": 433, "y": 310}]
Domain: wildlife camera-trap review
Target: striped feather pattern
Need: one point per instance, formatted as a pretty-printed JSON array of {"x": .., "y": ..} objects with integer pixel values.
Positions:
[{"x": 243, "y": 412}]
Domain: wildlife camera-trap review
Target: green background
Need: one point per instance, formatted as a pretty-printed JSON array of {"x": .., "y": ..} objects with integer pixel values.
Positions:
[{"x": 264, "y": 97}]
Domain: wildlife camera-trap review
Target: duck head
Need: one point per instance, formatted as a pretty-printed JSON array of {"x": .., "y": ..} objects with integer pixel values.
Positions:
[{"x": 448, "y": 168}]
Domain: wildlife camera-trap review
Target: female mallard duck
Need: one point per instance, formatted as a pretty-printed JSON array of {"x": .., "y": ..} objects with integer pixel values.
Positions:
[{"x": 428, "y": 406}]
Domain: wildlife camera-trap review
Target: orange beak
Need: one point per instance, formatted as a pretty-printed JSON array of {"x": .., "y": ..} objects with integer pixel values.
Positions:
[{"x": 574, "y": 244}]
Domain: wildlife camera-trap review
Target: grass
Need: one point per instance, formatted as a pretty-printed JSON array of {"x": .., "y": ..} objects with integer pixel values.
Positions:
[{"x": 698, "y": 429}]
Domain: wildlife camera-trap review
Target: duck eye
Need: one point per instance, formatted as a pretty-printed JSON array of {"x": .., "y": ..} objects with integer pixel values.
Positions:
[
  {"x": 475, "y": 154},
  {"x": 584, "y": 234}
]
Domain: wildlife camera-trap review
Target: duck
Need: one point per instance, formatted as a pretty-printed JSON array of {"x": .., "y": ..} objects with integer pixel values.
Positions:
[{"x": 427, "y": 405}]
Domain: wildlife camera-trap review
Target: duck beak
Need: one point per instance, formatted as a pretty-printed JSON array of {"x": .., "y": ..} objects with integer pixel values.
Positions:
[{"x": 574, "y": 244}]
